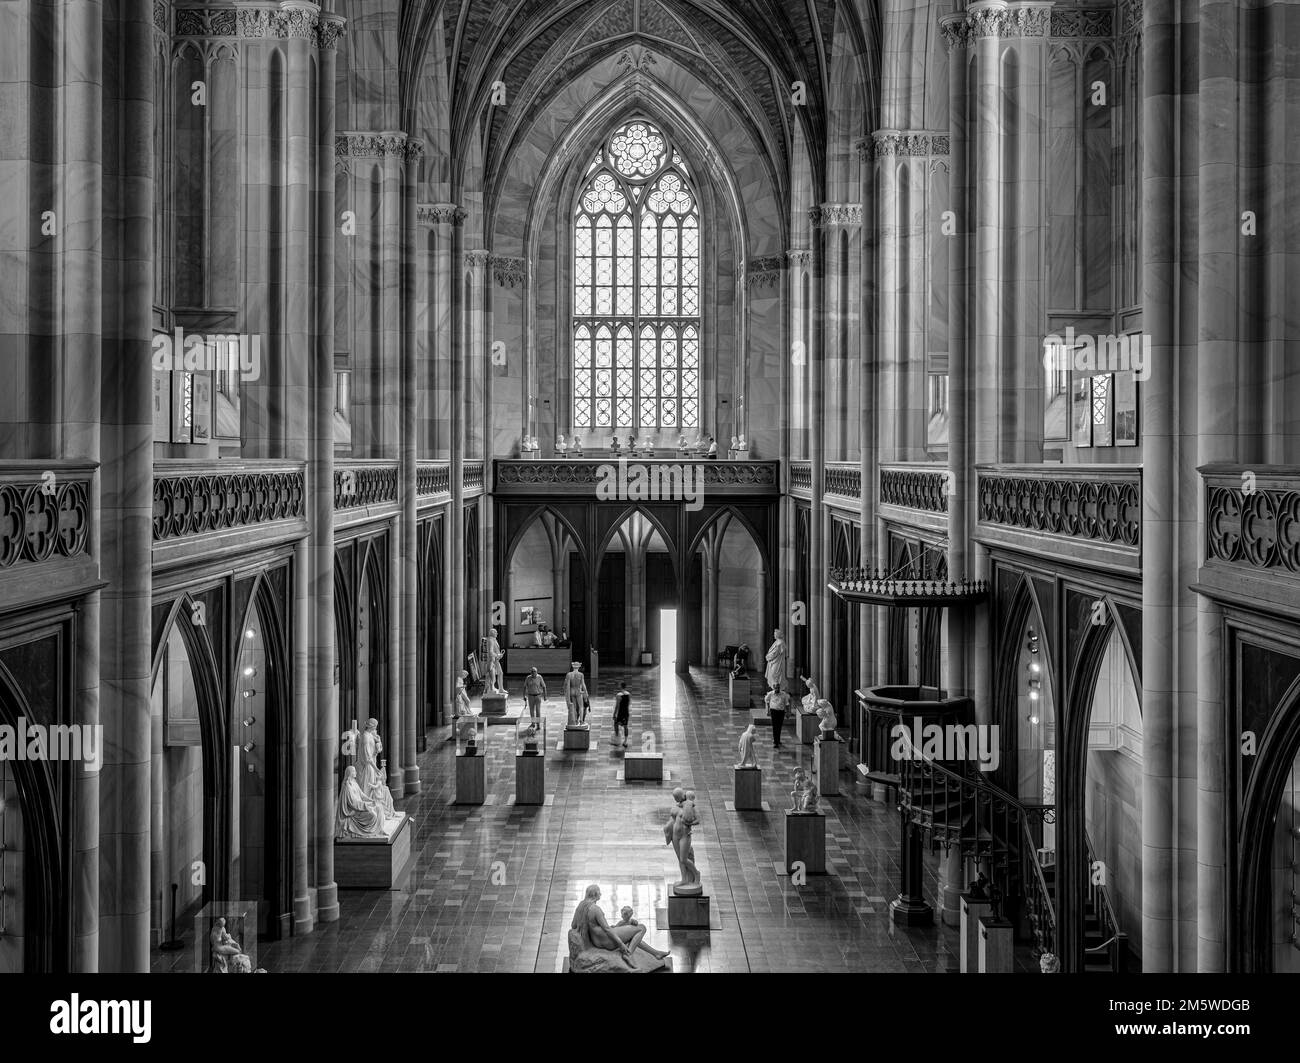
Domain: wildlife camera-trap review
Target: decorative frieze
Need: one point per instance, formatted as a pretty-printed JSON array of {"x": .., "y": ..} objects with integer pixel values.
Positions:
[
  {"x": 370, "y": 145},
  {"x": 921, "y": 489},
  {"x": 1083, "y": 22},
  {"x": 255, "y": 23},
  {"x": 896, "y": 142},
  {"x": 1018, "y": 21},
  {"x": 43, "y": 515},
  {"x": 829, "y": 215},
  {"x": 413, "y": 150},
  {"x": 1104, "y": 508},
  {"x": 509, "y": 272},
  {"x": 477, "y": 259},
  {"x": 765, "y": 272},
  {"x": 439, "y": 214},
  {"x": 197, "y": 502},
  {"x": 160, "y": 15},
  {"x": 546, "y": 475}
]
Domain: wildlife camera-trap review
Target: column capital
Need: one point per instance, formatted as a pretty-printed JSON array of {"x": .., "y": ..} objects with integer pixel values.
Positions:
[
  {"x": 996, "y": 19},
  {"x": 330, "y": 31},
  {"x": 799, "y": 257},
  {"x": 831, "y": 215},
  {"x": 439, "y": 214},
  {"x": 477, "y": 259}
]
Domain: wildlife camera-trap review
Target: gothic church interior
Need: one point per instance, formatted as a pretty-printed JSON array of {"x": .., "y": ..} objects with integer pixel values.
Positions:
[{"x": 915, "y": 381}]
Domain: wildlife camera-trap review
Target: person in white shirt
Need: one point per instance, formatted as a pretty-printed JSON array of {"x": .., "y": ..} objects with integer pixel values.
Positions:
[{"x": 713, "y": 447}]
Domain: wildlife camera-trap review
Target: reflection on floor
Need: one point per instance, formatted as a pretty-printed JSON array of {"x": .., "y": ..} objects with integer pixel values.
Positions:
[{"x": 493, "y": 888}]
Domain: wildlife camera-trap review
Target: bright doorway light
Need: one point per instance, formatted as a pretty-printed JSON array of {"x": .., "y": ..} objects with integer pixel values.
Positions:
[{"x": 667, "y": 662}]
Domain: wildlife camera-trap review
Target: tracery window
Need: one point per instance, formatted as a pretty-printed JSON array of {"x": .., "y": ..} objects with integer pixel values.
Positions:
[{"x": 636, "y": 307}]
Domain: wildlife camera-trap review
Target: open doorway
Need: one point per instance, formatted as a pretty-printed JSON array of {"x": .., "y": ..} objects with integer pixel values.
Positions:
[{"x": 667, "y": 658}]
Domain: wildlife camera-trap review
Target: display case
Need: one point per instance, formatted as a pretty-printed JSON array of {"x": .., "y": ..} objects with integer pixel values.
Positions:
[
  {"x": 226, "y": 937},
  {"x": 471, "y": 736},
  {"x": 530, "y": 737}
]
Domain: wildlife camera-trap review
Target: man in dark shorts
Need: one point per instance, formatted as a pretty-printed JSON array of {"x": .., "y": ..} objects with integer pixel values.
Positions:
[{"x": 622, "y": 713}]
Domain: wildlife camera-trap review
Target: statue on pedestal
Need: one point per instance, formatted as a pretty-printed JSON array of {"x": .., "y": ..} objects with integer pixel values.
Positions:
[
  {"x": 561, "y": 446},
  {"x": 776, "y": 658},
  {"x": 740, "y": 663},
  {"x": 826, "y": 714},
  {"x": 575, "y": 694},
  {"x": 369, "y": 749},
  {"x": 796, "y": 795},
  {"x": 496, "y": 678},
  {"x": 811, "y": 801},
  {"x": 677, "y": 833},
  {"x": 747, "y": 758},
  {"x": 814, "y": 695},
  {"x": 355, "y": 814},
  {"x": 597, "y": 948}
]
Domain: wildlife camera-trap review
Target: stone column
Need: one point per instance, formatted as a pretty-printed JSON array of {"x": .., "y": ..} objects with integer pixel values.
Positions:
[
  {"x": 320, "y": 489},
  {"x": 819, "y": 609},
  {"x": 868, "y": 426},
  {"x": 407, "y": 482}
]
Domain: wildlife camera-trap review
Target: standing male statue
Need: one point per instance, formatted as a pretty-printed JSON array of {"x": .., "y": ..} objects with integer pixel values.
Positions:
[
  {"x": 575, "y": 694},
  {"x": 776, "y": 657},
  {"x": 496, "y": 677}
]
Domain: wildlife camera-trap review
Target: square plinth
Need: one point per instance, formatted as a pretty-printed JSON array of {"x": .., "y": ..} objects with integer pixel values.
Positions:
[
  {"x": 749, "y": 789},
  {"x": 645, "y": 766},
  {"x": 373, "y": 863},
  {"x": 494, "y": 704},
  {"x": 805, "y": 841},
  {"x": 972, "y": 911},
  {"x": 471, "y": 773},
  {"x": 530, "y": 779},
  {"x": 808, "y": 726},
  {"x": 826, "y": 765},
  {"x": 995, "y": 945},
  {"x": 740, "y": 693},
  {"x": 577, "y": 736},
  {"x": 688, "y": 913}
]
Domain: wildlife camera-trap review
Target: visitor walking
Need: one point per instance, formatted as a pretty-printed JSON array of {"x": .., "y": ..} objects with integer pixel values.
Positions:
[
  {"x": 776, "y": 701},
  {"x": 535, "y": 691},
  {"x": 622, "y": 713}
]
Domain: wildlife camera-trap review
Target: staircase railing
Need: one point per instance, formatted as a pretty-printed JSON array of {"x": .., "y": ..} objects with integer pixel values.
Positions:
[
  {"x": 1114, "y": 941},
  {"x": 988, "y": 825}
]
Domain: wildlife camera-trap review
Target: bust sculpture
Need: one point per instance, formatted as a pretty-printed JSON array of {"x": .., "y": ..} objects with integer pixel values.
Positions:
[
  {"x": 814, "y": 695},
  {"x": 371, "y": 776},
  {"x": 747, "y": 758},
  {"x": 677, "y": 833},
  {"x": 355, "y": 814},
  {"x": 1049, "y": 963},
  {"x": 561, "y": 446},
  {"x": 826, "y": 714}
]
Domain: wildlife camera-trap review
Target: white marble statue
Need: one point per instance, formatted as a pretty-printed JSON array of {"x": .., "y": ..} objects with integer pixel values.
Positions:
[
  {"x": 371, "y": 776},
  {"x": 677, "y": 833},
  {"x": 461, "y": 706},
  {"x": 561, "y": 446},
  {"x": 355, "y": 814},
  {"x": 796, "y": 795},
  {"x": 814, "y": 695},
  {"x": 595, "y": 947},
  {"x": 747, "y": 757},
  {"x": 222, "y": 948},
  {"x": 811, "y": 799},
  {"x": 776, "y": 658},
  {"x": 496, "y": 677},
  {"x": 575, "y": 694},
  {"x": 826, "y": 714}
]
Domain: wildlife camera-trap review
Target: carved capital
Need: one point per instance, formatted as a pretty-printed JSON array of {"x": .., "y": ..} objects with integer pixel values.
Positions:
[
  {"x": 413, "y": 150},
  {"x": 370, "y": 145},
  {"x": 477, "y": 259},
  {"x": 829, "y": 215},
  {"x": 799, "y": 257},
  {"x": 329, "y": 32},
  {"x": 893, "y": 142},
  {"x": 297, "y": 19},
  {"x": 160, "y": 8},
  {"x": 765, "y": 272}
]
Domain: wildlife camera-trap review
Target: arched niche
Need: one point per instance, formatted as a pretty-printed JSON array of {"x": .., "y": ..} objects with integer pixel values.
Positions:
[{"x": 729, "y": 587}]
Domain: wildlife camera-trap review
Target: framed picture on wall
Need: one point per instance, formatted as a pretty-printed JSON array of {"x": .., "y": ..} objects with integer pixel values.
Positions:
[
  {"x": 1081, "y": 411},
  {"x": 1126, "y": 409},
  {"x": 532, "y": 611}
]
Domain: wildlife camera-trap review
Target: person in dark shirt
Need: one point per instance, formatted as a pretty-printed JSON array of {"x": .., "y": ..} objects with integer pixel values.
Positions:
[{"x": 622, "y": 713}]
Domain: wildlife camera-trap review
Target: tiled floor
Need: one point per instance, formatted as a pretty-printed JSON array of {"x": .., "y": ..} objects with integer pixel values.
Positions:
[{"x": 493, "y": 888}]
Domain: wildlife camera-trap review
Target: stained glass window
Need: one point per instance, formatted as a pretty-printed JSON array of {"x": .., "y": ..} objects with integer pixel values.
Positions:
[{"x": 636, "y": 306}]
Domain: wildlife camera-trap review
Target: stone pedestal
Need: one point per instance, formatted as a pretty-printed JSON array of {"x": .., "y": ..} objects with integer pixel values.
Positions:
[
  {"x": 826, "y": 765},
  {"x": 530, "y": 779},
  {"x": 972, "y": 911},
  {"x": 644, "y": 766},
  {"x": 373, "y": 863},
  {"x": 805, "y": 840},
  {"x": 494, "y": 704},
  {"x": 749, "y": 789},
  {"x": 577, "y": 736},
  {"x": 740, "y": 693},
  {"x": 807, "y": 726},
  {"x": 688, "y": 913},
  {"x": 995, "y": 945},
  {"x": 470, "y": 779}
]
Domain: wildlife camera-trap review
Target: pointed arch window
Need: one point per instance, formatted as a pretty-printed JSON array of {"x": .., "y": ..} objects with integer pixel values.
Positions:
[{"x": 636, "y": 305}]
